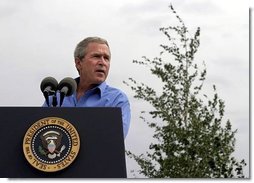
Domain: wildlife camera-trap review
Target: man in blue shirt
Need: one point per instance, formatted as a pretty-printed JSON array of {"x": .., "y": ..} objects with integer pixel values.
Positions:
[{"x": 92, "y": 60}]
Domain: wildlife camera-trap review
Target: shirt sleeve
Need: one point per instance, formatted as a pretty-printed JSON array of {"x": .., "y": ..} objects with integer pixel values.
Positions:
[{"x": 124, "y": 104}]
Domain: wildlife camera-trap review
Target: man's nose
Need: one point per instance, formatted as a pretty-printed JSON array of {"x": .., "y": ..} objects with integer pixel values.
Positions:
[{"x": 102, "y": 60}]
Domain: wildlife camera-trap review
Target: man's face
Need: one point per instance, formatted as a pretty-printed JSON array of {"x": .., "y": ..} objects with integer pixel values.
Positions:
[{"x": 94, "y": 67}]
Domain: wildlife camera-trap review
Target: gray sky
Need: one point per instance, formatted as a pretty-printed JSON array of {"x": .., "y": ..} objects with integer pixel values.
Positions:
[{"x": 38, "y": 38}]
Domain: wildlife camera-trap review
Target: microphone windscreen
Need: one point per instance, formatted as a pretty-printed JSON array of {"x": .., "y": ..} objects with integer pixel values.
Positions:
[
  {"x": 49, "y": 82},
  {"x": 70, "y": 83}
]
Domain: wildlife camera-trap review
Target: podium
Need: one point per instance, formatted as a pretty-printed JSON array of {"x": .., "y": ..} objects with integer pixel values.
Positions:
[{"x": 101, "y": 153}]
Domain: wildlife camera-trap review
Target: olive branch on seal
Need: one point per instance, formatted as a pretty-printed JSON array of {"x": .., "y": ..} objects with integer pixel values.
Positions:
[{"x": 41, "y": 151}]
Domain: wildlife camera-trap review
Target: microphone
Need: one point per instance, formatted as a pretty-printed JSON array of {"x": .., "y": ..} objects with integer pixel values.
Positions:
[
  {"x": 48, "y": 87},
  {"x": 67, "y": 87}
]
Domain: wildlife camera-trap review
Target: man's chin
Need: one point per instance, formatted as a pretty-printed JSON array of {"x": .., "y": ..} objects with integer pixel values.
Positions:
[{"x": 100, "y": 80}]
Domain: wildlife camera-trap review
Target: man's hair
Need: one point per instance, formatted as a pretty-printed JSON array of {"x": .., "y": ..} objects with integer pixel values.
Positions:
[{"x": 80, "y": 50}]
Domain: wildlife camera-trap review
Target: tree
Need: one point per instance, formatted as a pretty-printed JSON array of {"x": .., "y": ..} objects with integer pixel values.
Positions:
[{"x": 191, "y": 139}]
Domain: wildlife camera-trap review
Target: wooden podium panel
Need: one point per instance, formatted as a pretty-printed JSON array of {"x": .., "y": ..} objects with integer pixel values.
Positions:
[{"x": 101, "y": 154}]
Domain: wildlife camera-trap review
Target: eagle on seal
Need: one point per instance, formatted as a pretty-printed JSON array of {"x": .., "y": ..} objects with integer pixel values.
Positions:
[{"x": 51, "y": 142}]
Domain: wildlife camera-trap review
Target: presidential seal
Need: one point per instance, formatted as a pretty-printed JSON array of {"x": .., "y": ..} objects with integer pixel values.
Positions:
[{"x": 51, "y": 144}]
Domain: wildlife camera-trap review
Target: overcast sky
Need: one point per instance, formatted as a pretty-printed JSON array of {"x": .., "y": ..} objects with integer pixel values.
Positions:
[{"x": 38, "y": 38}]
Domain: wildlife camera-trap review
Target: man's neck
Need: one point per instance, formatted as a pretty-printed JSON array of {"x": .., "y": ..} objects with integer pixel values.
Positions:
[{"x": 83, "y": 87}]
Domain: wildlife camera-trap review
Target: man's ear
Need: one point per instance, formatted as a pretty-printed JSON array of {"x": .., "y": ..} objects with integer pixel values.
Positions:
[{"x": 77, "y": 63}]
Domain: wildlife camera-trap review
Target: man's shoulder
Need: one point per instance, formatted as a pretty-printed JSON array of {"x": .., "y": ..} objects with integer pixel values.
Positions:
[{"x": 115, "y": 91}]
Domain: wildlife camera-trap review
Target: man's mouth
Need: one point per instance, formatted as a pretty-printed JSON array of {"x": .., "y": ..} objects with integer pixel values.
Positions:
[{"x": 100, "y": 71}]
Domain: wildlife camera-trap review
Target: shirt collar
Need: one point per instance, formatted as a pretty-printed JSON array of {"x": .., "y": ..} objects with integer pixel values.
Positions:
[
  {"x": 99, "y": 88},
  {"x": 102, "y": 88}
]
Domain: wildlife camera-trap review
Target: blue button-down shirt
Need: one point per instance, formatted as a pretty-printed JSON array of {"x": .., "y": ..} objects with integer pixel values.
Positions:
[{"x": 101, "y": 96}]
